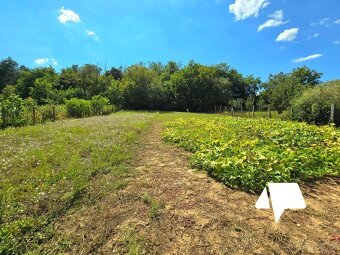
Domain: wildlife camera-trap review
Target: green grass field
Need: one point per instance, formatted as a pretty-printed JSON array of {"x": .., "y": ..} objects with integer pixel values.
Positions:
[
  {"x": 48, "y": 170},
  {"x": 51, "y": 170}
]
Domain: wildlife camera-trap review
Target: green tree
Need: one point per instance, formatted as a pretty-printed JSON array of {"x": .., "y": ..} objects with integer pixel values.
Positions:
[{"x": 9, "y": 71}]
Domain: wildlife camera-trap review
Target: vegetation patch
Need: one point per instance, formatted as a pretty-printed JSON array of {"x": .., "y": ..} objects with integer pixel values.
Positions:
[
  {"x": 46, "y": 171},
  {"x": 249, "y": 153}
]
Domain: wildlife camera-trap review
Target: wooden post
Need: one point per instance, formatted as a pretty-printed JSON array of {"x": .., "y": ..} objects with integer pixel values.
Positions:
[
  {"x": 215, "y": 109},
  {"x": 232, "y": 110},
  {"x": 241, "y": 108},
  {"x": 53, "y": 113},
  {"x": 253, "y": 112},
  {"x": 33, "y": 115},
  {"x": 220, "y": 109},
  {"x": 269, "y": 113},
  {"x": 331, "y": 118}
]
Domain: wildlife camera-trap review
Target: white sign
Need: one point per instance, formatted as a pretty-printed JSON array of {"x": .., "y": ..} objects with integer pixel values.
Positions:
[{"x": 283, "y": 196}]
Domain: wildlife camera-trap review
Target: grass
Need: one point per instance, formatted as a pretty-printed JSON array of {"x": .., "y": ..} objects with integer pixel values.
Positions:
[
  {"x": 154, "y": 206},
  {"x": 46, "y": 171},
  {"x": 51, "y": 170}
]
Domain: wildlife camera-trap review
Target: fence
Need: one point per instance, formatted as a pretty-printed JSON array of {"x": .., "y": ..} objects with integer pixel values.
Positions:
[{"x": 267, "y": 112}]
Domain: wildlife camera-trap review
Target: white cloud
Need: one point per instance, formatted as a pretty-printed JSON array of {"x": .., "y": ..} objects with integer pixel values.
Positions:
[
  {"x": 322, "y": 22},
  {"x": 54, "y": 62},
  {"x": 90, "y": 32},
  {"x": 297, "y": 60},
  {"x": 277, "y": 15},
  {"x": 67, "y": 15},
  {"x": 243, "y": 9},
  {"x": 313, "y": 36},
  {"x": 41, "y": 61},
  {"x": 337, "y": 42},
  {"x": 277, "y": 20},
  {"x": 288, "y": 35},
  {"x": 337, "y": 22}
]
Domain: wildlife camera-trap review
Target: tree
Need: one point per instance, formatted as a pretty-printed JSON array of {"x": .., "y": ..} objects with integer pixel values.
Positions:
[
  {"x": 282, "y": 89},
  {"x": 198, "y": 88},
  {"x": 117, "y": 74},
  {"x": 306, "y": 76},
  {"x": 89, "y": 75},
  {"x": 8, "y": 72},
  {"x": 141, "y": 88}
]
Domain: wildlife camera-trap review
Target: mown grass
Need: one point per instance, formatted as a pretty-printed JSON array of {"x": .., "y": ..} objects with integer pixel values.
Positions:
[
  {"x": 249, "y": 153},
  {"x": 46, "y": 171}
]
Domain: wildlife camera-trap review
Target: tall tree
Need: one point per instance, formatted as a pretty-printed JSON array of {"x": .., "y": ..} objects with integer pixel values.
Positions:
[{"x": 9, "y": 70}]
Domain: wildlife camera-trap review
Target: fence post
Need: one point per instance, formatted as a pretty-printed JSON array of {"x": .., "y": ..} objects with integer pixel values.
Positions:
[
  {"x": 53, "y": 112},
  {"x": 241, "y": 108},
  {"x": 220, "y": 109},
  {"x": 331, "y": 118},
  {"x": 253, "y": 112},
  {"x": 33, "y": 115},
  {"x": 269, "y": 113}
]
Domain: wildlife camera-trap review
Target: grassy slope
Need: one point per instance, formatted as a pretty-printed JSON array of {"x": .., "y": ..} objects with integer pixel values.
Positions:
[{"x": 48, "y": 170}]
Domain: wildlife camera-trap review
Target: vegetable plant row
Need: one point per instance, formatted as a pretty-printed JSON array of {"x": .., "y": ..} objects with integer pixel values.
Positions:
[{"x": 249, "y": 153}]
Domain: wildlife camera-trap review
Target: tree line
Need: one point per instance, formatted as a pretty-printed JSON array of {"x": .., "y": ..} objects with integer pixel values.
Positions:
[{"x": 153, "y": 86}]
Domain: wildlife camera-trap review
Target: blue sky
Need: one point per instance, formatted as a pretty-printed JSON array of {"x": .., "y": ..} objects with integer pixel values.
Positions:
[{"x": 256, "y": 36}]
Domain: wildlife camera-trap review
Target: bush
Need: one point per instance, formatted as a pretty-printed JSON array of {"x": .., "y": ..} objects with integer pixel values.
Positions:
[
  {"x": 12, "y": 111},
  {"x": 314, "y": 105},
  {"x": 98, "y": 103},
  {"x": 78, "y": 107}
]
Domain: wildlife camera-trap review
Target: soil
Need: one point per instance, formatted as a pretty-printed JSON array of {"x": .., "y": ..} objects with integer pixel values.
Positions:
[{"x": 170, "y": 208}]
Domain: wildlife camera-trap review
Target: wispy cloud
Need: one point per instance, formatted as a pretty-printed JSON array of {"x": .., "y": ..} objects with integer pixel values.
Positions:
[
  {"x": 336, "y": 42},
  {"x": 54, "y": 62},
  {"x": 337, "y": 22},
  {"x": 277, "y": 20},
  {"x": 313, "y": 35},
  {"x": 41, "y": 61},
  {"x": 297, "y": 60},
  {"x": 67, "y": 15},
  {"x": 322, "y": 22},
  {"x": 288, "y": 35},
  {"x": 92, "y": 34},
  {"x": 243, "y": 9}
]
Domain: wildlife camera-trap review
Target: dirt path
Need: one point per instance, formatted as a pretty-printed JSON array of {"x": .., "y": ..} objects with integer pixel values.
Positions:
[{"x": 169, "y": 208}]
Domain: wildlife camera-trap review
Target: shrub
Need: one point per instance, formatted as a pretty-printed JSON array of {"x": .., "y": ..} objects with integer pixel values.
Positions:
[
  {"x": 98, "y": 103},
  {"x": 314, "y": 105},
  {"x": 12, "y": 111},
  {"x": 78, "y": 107}
]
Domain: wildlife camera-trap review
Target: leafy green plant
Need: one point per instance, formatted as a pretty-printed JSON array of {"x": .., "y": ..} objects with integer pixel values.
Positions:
[
  {"x": 78, "y": 107},
  {"x": 98, "y": 103},
  {"x": 249, "y": 153},
  {"x": 12, "y": 111}
]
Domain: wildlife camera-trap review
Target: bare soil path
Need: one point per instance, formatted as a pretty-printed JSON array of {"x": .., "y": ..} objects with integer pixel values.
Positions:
[{"x": 170, "y": 208}]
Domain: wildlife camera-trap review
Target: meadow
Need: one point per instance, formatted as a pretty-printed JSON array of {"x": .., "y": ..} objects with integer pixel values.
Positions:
[
  {"x": 48, "y": 170},
  {"x": 52, "y": 170}
]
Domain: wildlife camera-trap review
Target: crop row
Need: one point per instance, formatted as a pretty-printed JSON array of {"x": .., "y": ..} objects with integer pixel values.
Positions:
[{"x": 249, "y": 153}]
